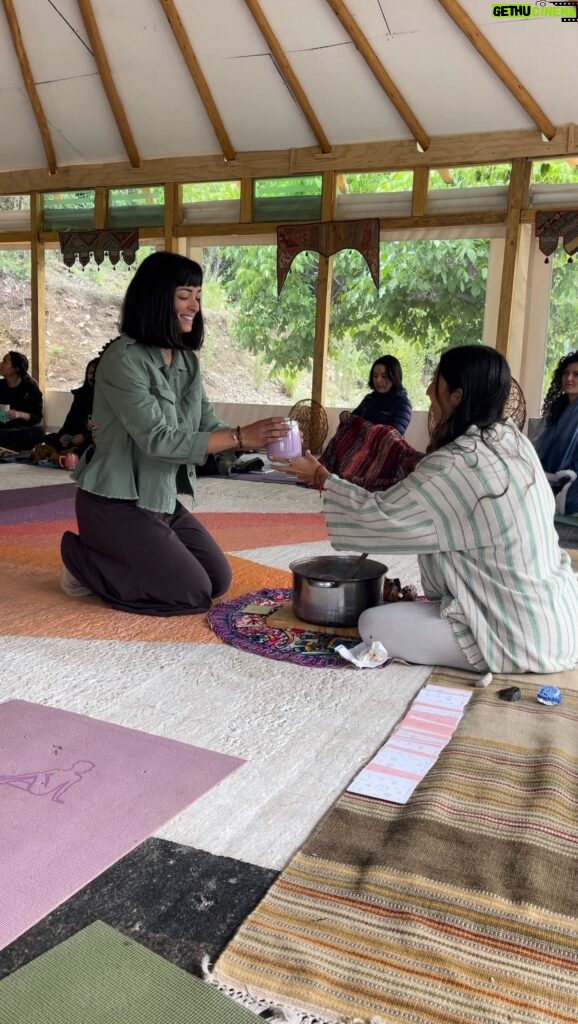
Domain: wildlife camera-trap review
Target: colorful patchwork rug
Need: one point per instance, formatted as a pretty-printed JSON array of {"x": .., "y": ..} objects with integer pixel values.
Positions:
[
  {"x": 243, "y": 624},
  {"x": 32, "y": 521},
  {"x": 460, "y": 907}
]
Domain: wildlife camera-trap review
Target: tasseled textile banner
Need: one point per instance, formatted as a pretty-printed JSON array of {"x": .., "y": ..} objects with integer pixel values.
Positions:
[
  {"x": 84, "y": 244},
  {"x": 553, "y": 224},
  {"x": 328, "y": 238}
]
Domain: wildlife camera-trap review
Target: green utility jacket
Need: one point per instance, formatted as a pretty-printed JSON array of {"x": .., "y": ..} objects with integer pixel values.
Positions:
[{"x": 151, "y": 424}]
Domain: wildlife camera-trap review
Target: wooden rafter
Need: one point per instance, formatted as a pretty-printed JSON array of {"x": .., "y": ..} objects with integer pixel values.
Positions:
[
  {"x": 373, "y": 62},
  {"x": 30, "y": 86},
  {"x": 289, "y": 75},
  {"x": 198, "y": 77},
  {"x": 110, "y": 89},
  {"x": 498, "y": 66}
]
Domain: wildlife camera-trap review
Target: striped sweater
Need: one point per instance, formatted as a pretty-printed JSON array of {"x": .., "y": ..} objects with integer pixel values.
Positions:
[{"x": 481, "y": 521}]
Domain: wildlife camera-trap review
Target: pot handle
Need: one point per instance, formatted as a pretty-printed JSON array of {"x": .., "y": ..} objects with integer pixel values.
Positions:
[{"x": 327, "y": 584}]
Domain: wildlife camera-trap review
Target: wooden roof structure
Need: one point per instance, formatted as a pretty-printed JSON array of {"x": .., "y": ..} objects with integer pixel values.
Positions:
[{"x": 116, "y": 93}]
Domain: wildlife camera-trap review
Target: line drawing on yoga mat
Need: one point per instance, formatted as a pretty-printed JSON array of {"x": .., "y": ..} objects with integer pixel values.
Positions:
[{"x": 52, "y": 780}]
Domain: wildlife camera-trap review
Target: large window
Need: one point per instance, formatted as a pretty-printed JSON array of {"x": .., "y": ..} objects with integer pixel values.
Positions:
[
  {"x": 563, "y": 317},
  {"x": 14, "y": 301},
  {"x": 258, "y": 347},
  {"x": 82, "y": 314},
  {"x": 432, "y": 296}
]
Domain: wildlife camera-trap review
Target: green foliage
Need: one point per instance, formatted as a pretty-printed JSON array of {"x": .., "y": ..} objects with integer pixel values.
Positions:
[
  {"x": 15, "y": 262},
  {"x": 563, "y": 319},
  {"x": 432, "y": 296}
]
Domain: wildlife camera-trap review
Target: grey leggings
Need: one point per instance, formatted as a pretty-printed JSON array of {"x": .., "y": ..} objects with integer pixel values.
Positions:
[{"x": 415, "y": 632}]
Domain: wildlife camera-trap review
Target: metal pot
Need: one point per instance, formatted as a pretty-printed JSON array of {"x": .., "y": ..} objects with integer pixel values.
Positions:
[{"x": 322, "y": 596}]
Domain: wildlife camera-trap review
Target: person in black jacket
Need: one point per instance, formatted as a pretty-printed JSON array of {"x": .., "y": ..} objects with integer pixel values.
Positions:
[
  {"x": 20, "y": 405},
  {"x": 387, "y": 404},
  {"x": 75, "y": 433}
]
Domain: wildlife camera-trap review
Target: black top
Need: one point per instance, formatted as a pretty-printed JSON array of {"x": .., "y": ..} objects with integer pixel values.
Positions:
[
  {"x": 25, "y": 397},
  {"x": 390, "y": 409},
  {"x": 76, "y": 421}
]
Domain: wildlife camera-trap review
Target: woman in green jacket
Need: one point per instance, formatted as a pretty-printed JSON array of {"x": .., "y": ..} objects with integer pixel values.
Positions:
[{"x": 137, "y": 547}]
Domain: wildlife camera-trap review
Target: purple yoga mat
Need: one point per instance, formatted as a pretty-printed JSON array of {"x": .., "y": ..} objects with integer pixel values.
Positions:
[{"x": 76, "y": 795}]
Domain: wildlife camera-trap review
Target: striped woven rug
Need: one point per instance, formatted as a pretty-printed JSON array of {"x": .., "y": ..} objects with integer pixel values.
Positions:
[{"x": 459, "y": 908}]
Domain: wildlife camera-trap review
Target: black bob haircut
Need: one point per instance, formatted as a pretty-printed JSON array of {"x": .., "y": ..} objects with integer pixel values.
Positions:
[{"x": 148, "y": 313}]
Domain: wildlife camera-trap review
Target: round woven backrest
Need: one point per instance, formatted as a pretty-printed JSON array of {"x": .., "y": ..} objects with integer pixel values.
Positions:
[
  {"x": 312, "y": 420},
  {"x": 515, "y": 406}
]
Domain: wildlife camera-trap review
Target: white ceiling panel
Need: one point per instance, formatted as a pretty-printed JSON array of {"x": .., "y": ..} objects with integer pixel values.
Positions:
[
  {"x": 81, "y": 124},
  {"x": 255, "y": 104},
  {"x": 21, "y": 143},
  {"x": 48, "y": 34},
  {"x": 446, "y": 83},
  {"x": 348, "y": 100}
]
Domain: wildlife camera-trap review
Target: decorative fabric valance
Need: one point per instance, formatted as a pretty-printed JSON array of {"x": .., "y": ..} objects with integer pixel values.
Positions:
[
  {"x": 553, "y": 224},
  {"x": 327, "y": 238},
  {"x": 99, "y": 244}
]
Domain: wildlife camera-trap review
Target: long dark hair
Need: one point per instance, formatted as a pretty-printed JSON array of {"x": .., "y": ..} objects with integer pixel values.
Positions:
[
  {"x": 556, "y": 401},
  {"x": 20, "y": 364},
  {"x": 392, "y": 369},
  {"x": 484, "y": 378},
  {"x": 148, "y": 313}
]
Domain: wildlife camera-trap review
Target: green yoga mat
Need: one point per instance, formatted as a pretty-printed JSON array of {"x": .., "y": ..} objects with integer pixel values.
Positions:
[{"x": 101, "y": 977}]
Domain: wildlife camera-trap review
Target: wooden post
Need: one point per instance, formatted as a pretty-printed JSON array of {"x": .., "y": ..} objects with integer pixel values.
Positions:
[
  {"x": 323, "y": 298},
  {"x": 419, "y": 192},
  {"x": 517, "y": 198},
  {"x": 246, "y": 201},
  {"x": 100, "y": 208},
  {"x": 37, "y": 294},
  {"x": 174, "y": 215}
]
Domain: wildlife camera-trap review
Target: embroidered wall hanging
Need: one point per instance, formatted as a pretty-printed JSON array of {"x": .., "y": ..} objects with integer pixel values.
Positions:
[
  {"x": 84, "y": 244},
  {"x": 327, "y": 238},
  {"x": 553, "y": 224}
]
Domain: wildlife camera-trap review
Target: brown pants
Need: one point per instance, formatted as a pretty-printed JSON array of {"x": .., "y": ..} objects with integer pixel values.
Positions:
[{"x": 149, "y": 563}]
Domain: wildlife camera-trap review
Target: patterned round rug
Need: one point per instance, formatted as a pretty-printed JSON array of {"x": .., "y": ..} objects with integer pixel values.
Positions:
[{"x": 240, "y": 624}]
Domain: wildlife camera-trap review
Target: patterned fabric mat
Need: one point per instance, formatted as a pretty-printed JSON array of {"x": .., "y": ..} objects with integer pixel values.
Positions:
[
  {"x": 460, "y": 907},
  {"x": 102, "y": 977},
  {"x": 241, "y": 624}
]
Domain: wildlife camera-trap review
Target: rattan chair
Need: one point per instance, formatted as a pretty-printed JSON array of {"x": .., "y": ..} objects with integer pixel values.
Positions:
[
  {"x": 312, "y": 420},
  {"x": 515, "y": 408}
]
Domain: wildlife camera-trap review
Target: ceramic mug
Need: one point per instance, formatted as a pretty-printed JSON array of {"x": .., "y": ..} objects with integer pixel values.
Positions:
[
  {"x": 68, "y": 461},
  {"x": 4, "y": 410}
]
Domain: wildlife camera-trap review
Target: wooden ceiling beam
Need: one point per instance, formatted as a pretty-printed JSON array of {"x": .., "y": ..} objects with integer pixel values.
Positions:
[
  {"x": 445, "y": 151},
  {"x": 288, "y": 75},
  {"x": 373, "y": 62},
  {"x": 194, "y": 68},
  {"x": 498, "y": 66},
  {"x": 101, "y": 60},
  {"x": 30, "y": 86}
]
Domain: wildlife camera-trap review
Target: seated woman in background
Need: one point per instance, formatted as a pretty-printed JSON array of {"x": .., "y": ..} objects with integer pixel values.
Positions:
[
  {"x": 137, "y": 547},
  {"x": 75, "y": 434},
  {"x": 21, "y": 399},
  {"x": 478, "y": 511},
  {"x": 368, "y": 447},
  {"x": 557, "y": 444},
  {"x": 387, "y": 403}
]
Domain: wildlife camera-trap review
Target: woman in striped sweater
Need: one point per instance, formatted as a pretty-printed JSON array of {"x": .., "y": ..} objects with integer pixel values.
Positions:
[{"x": 478, "y": 511}]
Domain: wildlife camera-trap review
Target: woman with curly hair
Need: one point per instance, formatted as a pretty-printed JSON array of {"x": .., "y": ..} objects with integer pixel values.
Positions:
[
  {"x": 557, "y": 445},
  {"x": 479, "y": 513}
]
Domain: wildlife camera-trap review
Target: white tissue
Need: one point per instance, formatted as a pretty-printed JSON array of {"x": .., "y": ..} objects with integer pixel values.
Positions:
[{"x": 364, "y": 655}]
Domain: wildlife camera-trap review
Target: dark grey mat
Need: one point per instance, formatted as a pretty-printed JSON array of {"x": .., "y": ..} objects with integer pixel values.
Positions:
[{"x": 180, "y": 902}]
